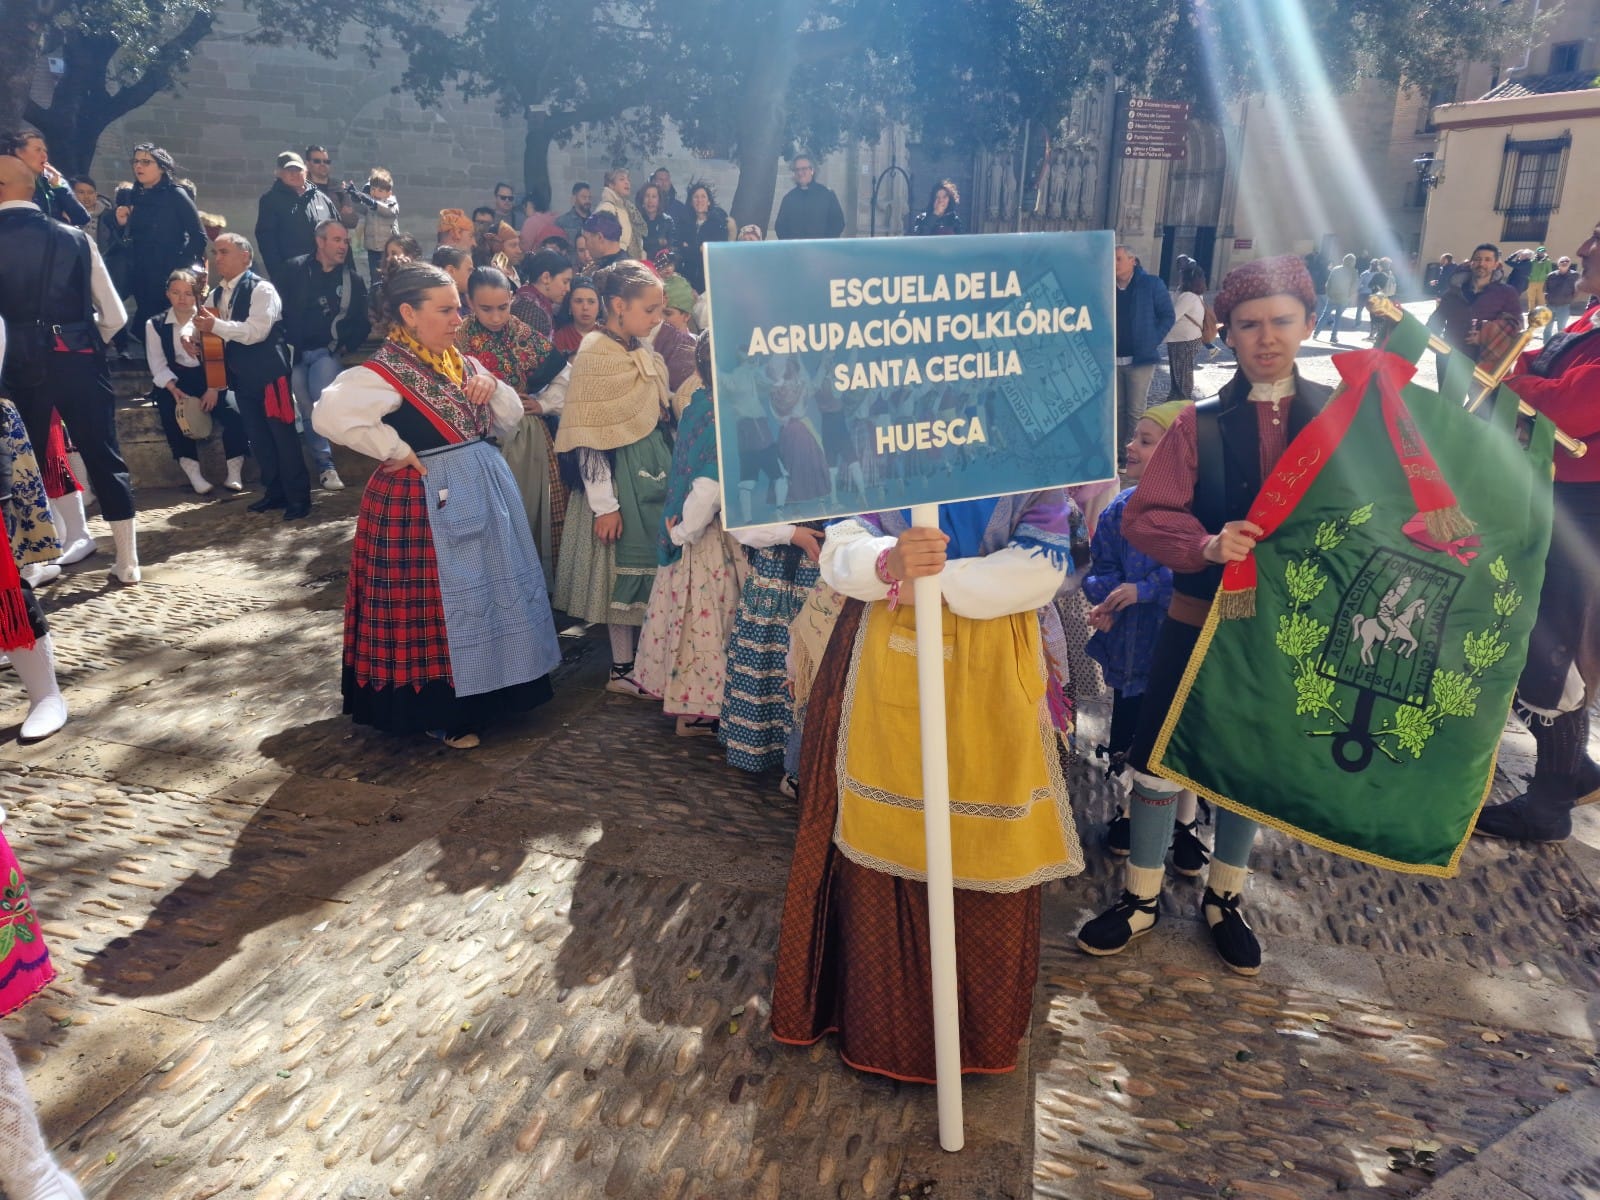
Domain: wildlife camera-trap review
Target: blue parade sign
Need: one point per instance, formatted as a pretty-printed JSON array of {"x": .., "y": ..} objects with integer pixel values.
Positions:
[{"x": 862, "y": 375}]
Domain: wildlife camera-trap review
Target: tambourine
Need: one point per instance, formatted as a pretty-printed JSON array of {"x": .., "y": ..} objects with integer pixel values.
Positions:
[{"x": 192, "y": 419}]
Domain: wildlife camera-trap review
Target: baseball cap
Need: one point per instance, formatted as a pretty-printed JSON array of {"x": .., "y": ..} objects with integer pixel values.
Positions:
[{"x": 289, "y": 160}]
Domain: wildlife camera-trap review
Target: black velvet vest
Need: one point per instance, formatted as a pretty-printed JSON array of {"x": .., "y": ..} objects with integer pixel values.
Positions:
[{"x": 1229, "y": 455}]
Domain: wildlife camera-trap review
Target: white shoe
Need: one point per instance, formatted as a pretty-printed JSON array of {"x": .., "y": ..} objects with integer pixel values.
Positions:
[
  {"x": 331, "y": 482},
  {"x": 199, "y": 482},
  {"x": 235, "y": 480},
  {"x": 125, "y": 567},
  {"x": 39, "y": 574},
  {"x": 47, "y": 711},
  {"x": 72, "y": 528}
]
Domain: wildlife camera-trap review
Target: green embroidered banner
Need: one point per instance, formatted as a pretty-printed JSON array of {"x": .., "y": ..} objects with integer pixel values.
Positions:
[{"x": 1361, "y": 707}]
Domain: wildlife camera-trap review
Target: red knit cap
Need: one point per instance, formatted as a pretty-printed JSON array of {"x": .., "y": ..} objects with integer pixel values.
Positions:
[{"x": 1285, "y": 275}]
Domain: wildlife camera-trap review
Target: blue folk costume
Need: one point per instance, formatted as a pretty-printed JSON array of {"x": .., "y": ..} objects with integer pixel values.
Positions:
[{"x": 1124, "y": 651}]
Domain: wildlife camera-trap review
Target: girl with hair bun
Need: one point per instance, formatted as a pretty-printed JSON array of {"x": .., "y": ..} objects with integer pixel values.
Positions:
[
  {"x": 446, "y": 620},
  {"x": 617, "y": 401}
]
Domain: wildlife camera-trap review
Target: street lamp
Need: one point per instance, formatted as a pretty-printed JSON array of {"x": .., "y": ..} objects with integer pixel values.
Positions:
[{"x": 1430, "y": 170}]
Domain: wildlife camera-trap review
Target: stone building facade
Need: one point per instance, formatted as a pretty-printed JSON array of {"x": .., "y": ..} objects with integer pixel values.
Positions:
[{"x": 241, "y": 104}]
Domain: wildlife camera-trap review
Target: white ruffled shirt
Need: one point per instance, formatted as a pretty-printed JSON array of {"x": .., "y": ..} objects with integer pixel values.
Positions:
[{"x": 351, "y": 409}]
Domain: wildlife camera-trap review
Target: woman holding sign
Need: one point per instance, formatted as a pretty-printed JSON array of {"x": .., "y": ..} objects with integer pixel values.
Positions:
[{"x": 853, "y": 952}]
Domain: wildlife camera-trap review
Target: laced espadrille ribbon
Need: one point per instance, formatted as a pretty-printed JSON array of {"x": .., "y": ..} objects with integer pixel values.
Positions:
[{"x": 1302, "y": 462}]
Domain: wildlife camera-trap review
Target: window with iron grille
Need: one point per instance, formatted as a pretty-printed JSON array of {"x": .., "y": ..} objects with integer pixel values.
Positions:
[{"x": 1531, "y": 175}]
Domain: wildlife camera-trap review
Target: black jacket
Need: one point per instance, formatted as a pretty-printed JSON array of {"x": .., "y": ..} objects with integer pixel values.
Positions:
[
  {"x": 930, "y": 223},
  {"x": 661, "y": 234},
  {"x": 323, "y": 310},
  {"x": 713, "y": 229},
  {"x": 810, "y": 212},
  {"x": 286, "y": 224},
  {"x": 162, "y": 234}
]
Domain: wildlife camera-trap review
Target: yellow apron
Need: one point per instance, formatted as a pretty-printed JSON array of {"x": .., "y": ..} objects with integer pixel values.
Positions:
[{"x": 1010, "y": 822}]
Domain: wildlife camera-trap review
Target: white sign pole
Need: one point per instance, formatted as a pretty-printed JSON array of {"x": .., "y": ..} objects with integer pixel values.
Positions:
[{"x": 936, "y": 831}]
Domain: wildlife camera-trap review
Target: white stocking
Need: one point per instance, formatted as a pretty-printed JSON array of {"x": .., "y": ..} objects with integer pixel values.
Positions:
[
  {"x": 622, "y": 642},
  {"x": 27, "y": 1172}
]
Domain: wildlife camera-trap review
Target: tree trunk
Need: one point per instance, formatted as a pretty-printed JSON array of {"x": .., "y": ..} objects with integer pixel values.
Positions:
[
  {"x": 20, "y": 46},
  {"x": 83, "y": 105},
  {"x": 536, "y": 159},
  {"x": 763, "y": 111},
  {"x": 79, "y": 109}
]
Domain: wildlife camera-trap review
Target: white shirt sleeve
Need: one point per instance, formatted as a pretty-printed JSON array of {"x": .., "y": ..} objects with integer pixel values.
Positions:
[
  {"x": 265, "y": 311},
  {"x": 161, "y": 374},
  {"x": 351, "y": 409},
  {"x": 1011, "y": 580},
  {"x": 700, "y": 506},
  {"x": 760, "y": 537},
  {"x": 850, "y": 560},
  {"x": 553, "y": 399},
  {"x": 109, "y": 314},
  {"x": 505, "y": 407},
  {"x": 597, "y": 485}
]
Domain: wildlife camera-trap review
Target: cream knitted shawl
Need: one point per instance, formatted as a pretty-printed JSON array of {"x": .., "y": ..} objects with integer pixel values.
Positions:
[{"x": 615, "y": 396}]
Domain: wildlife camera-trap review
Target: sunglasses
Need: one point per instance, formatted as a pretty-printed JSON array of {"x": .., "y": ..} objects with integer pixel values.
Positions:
[
  {"x": 503, "y": 196},
  {"x": 321, "y": 162}
]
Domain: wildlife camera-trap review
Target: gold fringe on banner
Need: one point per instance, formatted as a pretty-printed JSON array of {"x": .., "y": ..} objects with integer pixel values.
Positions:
[
  {"x": 1236, "y": 606},
  {"x": 1447, "y": 524}
]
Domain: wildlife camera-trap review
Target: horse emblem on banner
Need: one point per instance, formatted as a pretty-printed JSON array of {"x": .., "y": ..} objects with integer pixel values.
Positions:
[{"x": 1384, "y": 643}]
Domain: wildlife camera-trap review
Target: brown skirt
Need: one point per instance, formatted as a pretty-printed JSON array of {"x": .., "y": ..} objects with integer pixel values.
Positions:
[{"x": 853, "y": 949}]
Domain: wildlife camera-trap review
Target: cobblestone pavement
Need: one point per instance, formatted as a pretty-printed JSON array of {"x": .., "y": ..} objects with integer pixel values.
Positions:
[{"x": 303, "y": 961}]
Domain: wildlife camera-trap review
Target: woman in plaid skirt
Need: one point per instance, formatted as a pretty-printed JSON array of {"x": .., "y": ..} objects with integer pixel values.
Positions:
[{"x": 446, "y": 618}]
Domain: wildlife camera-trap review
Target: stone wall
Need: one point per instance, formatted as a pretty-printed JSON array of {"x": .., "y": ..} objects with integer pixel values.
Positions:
[{"x": 240, "y": 105}]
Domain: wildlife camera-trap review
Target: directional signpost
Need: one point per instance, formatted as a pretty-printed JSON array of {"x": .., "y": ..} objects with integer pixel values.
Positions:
[{"x": 1156, "y": 129}]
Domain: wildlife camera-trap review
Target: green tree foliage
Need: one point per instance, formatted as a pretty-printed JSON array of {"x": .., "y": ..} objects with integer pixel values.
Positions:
[
  {"x": 118, "y": 54},
  {"x": 758, "y": 79}
]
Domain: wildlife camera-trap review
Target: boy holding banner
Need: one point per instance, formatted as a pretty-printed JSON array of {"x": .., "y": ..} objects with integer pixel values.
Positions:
[{"x": 1189, "y": 514}]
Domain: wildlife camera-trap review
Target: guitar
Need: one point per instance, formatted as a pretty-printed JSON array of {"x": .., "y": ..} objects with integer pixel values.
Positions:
[{"x": 211, "y": 356}]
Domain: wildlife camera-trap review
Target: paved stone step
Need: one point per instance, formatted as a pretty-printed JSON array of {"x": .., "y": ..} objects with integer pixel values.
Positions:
[{"x": 1554, "y": 1155}]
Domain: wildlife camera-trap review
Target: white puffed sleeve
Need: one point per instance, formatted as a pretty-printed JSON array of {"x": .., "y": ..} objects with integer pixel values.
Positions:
[
  {"x": 598, "y": 487},
  {"x": 351, "y": 409},
  {"x": 505, "y": 408},
  {"x": 849, "y": 560},
  {"x": 760, "y": 537},
  {"x": 699, "y": 507},
  {"x": 1011, "y": 580},
  {"x": 553, "y": 397}
]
